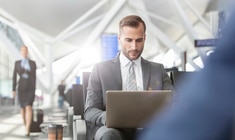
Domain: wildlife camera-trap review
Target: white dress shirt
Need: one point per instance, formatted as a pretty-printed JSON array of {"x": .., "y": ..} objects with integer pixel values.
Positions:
[
  {"x": 25, "y": 64},
  {"x": 124, "y": 62}
]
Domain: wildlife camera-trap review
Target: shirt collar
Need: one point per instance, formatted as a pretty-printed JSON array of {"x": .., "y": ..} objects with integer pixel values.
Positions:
[
  {"x": 24, "y": 59},
  {"x": 125, "y": 61}
]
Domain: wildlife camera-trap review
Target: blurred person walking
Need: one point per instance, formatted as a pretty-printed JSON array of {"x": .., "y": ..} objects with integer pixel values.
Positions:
[
  {"x": 24, "y": 88},
  {"x": 61, "y": 89}
]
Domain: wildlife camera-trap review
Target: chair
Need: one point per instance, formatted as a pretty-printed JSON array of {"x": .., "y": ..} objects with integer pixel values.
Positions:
[
  {"x": 59, "y": 116},
  {"x": 68, "y": 97},
  {"x": 79, "y": 125},
  {"x": 77, "y": 99},
  {"x": 178, "y": 77},
  {"x": 81, "y": 128}
]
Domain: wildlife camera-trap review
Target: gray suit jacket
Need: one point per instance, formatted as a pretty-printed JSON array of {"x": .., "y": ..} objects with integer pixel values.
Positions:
[{"x": 107, "y": 76}]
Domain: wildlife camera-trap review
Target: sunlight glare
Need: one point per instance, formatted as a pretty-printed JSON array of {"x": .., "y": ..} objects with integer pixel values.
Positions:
[{"x": 90, "y": 55}]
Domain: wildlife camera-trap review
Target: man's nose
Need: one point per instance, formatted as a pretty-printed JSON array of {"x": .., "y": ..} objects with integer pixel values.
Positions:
[{"x": 133, "y": 45}]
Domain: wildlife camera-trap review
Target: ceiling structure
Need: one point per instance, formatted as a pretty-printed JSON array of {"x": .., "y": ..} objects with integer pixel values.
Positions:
[{"x": 62, "y": 31}]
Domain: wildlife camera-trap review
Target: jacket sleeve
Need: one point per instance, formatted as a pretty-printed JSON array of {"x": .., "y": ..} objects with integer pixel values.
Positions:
[
  {"x": 14, "y": 78},
  {"x": 94, "y": 108},
  {"x": 34, "y": 73}
]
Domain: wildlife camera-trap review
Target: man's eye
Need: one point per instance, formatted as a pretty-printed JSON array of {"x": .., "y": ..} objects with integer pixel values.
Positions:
[{"x": 139, "y": 40}]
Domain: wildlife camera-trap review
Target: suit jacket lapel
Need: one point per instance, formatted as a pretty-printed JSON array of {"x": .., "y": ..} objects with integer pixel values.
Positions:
[
  {"x": 19, "y": 67},
  {"x": 117, "y": 70},
  {"x": 30, "y": 64},
  {"x": 146, "y": 72}
]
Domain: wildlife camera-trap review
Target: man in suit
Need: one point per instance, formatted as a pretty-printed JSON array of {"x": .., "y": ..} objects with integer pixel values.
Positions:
[
  {"x": 26, "y": 70},
  {"x": 113, "y": 75},
  {"x": 206, "y": 109}
]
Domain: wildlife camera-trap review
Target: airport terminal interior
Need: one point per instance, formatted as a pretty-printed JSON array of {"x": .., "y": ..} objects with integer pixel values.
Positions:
[{"x": 67, "y": 37}]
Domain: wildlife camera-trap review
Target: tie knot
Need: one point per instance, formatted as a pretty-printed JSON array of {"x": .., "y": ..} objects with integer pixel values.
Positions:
[{"x": 131, "y": 65}]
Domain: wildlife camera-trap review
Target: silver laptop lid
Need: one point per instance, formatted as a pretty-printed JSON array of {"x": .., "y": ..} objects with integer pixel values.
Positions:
[{"x": 132, "y": 109}]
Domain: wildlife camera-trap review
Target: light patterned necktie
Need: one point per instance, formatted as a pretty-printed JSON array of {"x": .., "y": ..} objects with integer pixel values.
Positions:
[{"x": 131, "y": 80}]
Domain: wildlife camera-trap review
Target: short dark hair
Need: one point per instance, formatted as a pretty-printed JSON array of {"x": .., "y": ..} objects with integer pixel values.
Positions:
[{"x": 132, "y": 21}]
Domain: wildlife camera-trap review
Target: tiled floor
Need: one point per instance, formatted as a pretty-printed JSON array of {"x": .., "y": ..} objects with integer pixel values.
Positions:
[{"x": 11, "y": 125}]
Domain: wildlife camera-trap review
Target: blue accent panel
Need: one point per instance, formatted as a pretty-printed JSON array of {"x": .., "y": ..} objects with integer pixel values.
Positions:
[
  {"x": 77, "y": 80},
  {"x": 109, "y": 46}
]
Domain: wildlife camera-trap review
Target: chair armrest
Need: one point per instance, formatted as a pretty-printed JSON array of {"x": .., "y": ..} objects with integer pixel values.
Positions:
[{"x": 79, "y": 128}]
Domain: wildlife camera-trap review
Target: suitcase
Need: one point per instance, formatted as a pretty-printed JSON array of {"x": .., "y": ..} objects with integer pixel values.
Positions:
[{"x": 37, "y": 119}]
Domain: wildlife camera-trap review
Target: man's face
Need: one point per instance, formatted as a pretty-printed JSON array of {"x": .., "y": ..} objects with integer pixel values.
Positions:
[
  {"x": 132, "y": 41},
  {"x": 24, "y": 52}
]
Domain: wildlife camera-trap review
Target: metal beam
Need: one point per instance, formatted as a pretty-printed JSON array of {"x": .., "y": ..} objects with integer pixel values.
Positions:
[
  {"x": 78, "y": 21},
  {"x": 163, "y": 20},
  {"x": 81, "y": 27},
  {"x": 184, "y": 20},
  {"x": 196, "y": 13},
  {"x": 27, "y": 41},
  {"x": 17, "y": 26},
  {"x": 141, "y": 10},
  {"x": 24, "y": 38},
  {"x": 187, "y": 26},
  {"x": 77, "y": 64},
  {"x": 95, "y": 34},
  {"x": 157, "y": 32}
]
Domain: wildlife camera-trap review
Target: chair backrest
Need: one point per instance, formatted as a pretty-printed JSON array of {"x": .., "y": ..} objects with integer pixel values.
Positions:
[
  {"x": 178, "y": 77},
  {"x": 77, "y": 99},
  {"x": 68, "y": 96}
]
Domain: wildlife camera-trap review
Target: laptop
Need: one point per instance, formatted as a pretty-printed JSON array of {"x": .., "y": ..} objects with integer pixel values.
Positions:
[{"x": 132, "y": 109}]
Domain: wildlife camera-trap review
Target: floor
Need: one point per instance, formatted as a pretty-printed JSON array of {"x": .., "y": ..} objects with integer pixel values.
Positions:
[{"x": 11, "y": 124}]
